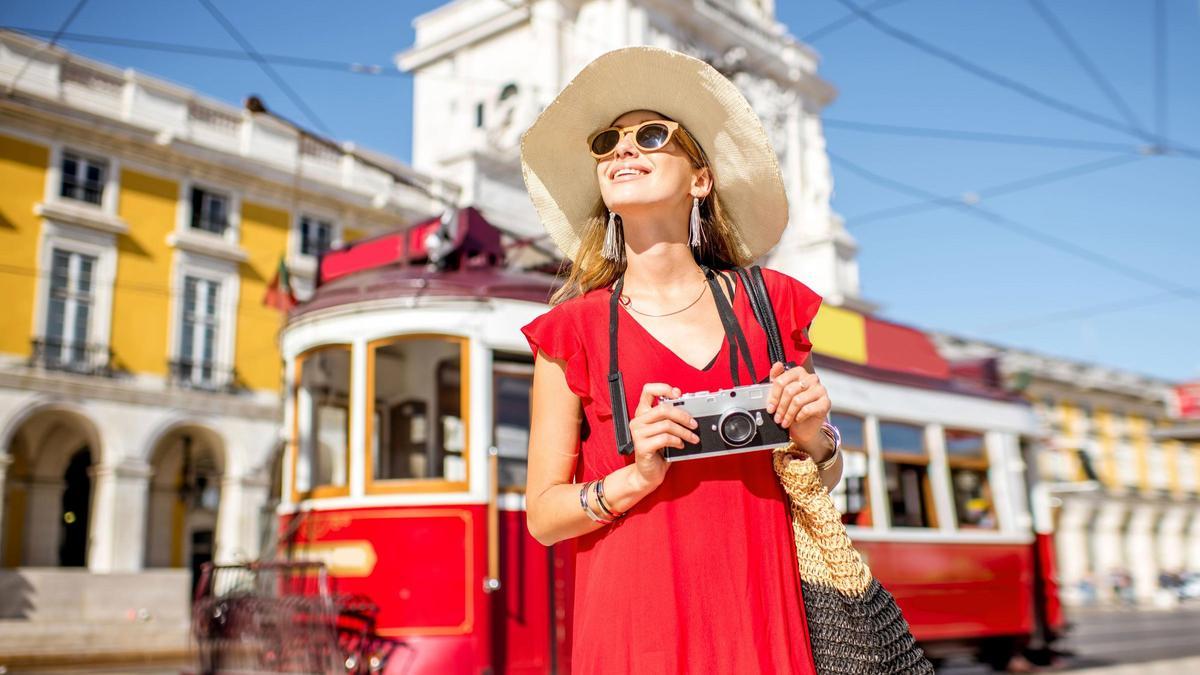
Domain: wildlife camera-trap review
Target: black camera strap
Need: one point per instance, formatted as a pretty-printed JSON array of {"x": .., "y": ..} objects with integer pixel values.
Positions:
[
  {"x": 760, "y": 301},
  {"x": 616, "y": 382}
]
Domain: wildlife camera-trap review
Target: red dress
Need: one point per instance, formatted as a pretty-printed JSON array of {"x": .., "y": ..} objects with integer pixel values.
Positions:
[{"x": 701, "y": 575}]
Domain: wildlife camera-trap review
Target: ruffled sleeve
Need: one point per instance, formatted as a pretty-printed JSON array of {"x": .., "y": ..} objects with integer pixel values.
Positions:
[
  {"x": 795, "y": 307},
  {"x": 554, "y": 334}
]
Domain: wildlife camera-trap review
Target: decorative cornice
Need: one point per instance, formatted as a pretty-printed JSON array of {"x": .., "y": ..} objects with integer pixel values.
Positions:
[{"x": 92, "y": 217}]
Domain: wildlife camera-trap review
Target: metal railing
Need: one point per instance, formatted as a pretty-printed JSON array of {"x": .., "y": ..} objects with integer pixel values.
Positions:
[
  {"x": 73, "y": 357},
  {"x": 201, "y": 375}
]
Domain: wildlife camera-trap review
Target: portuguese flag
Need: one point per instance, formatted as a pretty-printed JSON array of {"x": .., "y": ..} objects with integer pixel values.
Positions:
[{"x": 279, "y": 293}]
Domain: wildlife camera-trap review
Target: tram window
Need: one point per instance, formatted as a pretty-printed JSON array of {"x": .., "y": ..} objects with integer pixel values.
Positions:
[
  {"x": 418, "y": 429},
  {"x": 906, "y": 471},
  {"x": 851, "y": 495},
  {"x": 966, "y": 454},
  {"x": 323, "y": 419},
  {"x": 512, "y": 382}
]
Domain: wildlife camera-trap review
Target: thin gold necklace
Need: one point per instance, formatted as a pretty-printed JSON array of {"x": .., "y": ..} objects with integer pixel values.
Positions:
[{"x": 627, "y": 302}]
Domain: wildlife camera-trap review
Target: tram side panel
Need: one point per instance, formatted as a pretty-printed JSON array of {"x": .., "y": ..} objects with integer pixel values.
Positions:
[
  {"x": 957, "y": 591},
  {"x": 423, "y": 566},
  {"x": 532, "y": 610}
]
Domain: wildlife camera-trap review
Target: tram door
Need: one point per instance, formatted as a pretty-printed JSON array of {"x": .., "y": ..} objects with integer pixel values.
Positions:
[{"x": 530, "y": 616}]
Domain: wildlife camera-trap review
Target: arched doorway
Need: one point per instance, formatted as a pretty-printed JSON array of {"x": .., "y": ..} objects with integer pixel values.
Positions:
[
  {"x": 187, "y": 464},
  {"x": 48, "y": 490}
]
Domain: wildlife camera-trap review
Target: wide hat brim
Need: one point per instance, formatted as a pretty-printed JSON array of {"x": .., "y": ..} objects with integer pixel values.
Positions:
[{"x": 560, "y": 174}]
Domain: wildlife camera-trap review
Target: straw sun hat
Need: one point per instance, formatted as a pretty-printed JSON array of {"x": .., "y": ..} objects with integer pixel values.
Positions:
[{"x": 560, "y": 174}]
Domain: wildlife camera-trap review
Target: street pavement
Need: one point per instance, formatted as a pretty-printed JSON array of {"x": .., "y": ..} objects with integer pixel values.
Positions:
[{"x": 1102, "y": 641}]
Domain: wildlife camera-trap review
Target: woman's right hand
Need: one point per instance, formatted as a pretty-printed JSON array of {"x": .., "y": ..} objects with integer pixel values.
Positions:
[{"x": 655, "y": 427}]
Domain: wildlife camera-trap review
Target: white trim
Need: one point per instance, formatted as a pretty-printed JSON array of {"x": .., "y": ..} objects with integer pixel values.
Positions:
[
  {"x": 85, "y": 241},
  {"x": 206, "y": 243},
  {"x": 183, "y": 211},
  {"x": 939, "y": 476},
  {"x": 81, "y": 214},
  {"x": 219, "y": 271},
  {"x": 109, "y": 200},
  {"x": 930, "y": 536},
  {"x": 306, "y": 264}
]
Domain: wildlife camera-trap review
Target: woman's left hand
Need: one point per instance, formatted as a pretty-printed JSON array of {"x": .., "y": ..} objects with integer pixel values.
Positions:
[{"x": 799, "y": 402}]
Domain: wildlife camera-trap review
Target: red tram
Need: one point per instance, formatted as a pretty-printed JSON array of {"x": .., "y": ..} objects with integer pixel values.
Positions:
[{"x": 408, "y": 416}]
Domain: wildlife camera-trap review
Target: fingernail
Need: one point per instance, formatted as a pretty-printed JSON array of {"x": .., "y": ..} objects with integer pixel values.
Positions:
[
  {"x": 695, "y": 424},
  {"x": 770, "y": 408},
  {"x": 777, "y": 419},
  {"x": 695, "y": 438}
]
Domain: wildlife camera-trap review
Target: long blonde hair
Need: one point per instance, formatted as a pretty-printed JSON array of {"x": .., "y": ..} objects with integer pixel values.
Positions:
[{"x": 721, "y": 248}]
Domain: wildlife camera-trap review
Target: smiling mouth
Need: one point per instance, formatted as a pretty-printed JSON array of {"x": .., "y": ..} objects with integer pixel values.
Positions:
[{"x": 627, "y": 174}]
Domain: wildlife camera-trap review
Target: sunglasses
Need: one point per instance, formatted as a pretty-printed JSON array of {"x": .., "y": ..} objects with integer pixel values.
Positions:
[{"x": 647, "y": 136}]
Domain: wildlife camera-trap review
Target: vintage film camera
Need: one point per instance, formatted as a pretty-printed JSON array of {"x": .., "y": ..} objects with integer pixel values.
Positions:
[{"x": 729, "y": 421}]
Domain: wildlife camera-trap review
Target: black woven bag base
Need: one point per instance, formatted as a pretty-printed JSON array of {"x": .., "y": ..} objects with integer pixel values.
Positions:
[{"x": 860, "y": 635}]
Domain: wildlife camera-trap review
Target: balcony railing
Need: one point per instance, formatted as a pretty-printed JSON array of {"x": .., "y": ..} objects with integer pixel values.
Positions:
[
  {"x": 201, "y": 375},
  {"x": 73, "y": 357}
]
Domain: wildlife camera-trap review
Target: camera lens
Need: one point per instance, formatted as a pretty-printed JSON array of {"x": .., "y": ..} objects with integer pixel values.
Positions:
[{"x": 736, "y": 427}]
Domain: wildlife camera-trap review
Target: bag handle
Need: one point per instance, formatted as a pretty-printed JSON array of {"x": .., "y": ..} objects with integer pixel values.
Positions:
[{"x": 760, "y": 302}]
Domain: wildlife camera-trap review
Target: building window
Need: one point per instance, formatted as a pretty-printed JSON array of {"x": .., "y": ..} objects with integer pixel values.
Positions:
[
  {"x": 69, "y": 310},
  {"x": 512, "y": 382},
  {"x": 322, "y": 421},
  {"x": 210, "y": 211},
  {"x": 906, "y": 470},
  {"x": 418, "y": 430},
  {"x": 966, "y": 454},
  {"x": 851, "y": 495},
  {"x": 196, "y": 359},
  {"x": 83, "y": 178},
  {"x": 316, "y": 236}
]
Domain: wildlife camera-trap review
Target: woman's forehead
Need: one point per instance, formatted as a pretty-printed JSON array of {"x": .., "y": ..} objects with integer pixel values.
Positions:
[{"x": 636, "y": 116}]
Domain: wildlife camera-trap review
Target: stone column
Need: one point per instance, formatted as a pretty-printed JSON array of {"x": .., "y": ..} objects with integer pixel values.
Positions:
[
  {"x": 1109, "y": 548},
  {"x": 43, "y": 531},
  {"x": 238, "y": 518},
  {"x": 1141, "y": 553},
  {"x": 118, "y": 529},
  {"x": 1074, "y": 566},
  {"x": 1193, "y": 541},
  {"x": 5, "y": 460}
]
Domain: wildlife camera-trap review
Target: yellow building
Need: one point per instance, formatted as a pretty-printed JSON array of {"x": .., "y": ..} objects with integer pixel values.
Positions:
[
  {"x": 1125, "y": 492},
  {"x": 140, "y": 375}
]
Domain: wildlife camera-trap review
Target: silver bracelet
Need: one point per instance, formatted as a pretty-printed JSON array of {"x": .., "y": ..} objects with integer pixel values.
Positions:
[
  {"x": 587, "y": 508},
  {"x": 604, "y": 502},
  {"x": 836, "y": 436}
]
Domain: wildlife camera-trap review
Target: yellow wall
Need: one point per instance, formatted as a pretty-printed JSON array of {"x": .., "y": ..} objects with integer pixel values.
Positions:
[
  {"x": 839, "y": 333},
  {"x": 1103, "y": 420},
  {"x": 141, "y": 295},
  {"x": 22, "y": 184},
  {"x": 1139, "y": 438},
  {"x": 264, "y": 238}
]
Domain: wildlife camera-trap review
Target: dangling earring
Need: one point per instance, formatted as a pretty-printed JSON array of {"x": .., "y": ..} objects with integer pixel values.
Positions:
[
  {"x": 614, "y": 248},
  {"x": 695, "y": 232}
]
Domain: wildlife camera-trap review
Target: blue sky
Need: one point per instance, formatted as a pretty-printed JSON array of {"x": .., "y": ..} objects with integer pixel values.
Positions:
[{"x": 1134, "y": 226}]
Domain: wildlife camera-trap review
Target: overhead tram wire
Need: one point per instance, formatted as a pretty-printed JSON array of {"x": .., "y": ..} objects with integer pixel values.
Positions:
[
  {"x": 12, "y": 84},
  {"x": 846, "y": 20},
  {"x": 978, "y": 136},
  {"x": 216, "y": 52},
  {"x": 1090, "y": 68},
  {"x": 1160, "y": 69},
  {"x": 1082, "y": 312},
  {"x": 1010, "y": 187},
  {"x": 1048, "y": 240},
  {"x": 266, "y": 67},
  {"x": 1007, "y": 82}
]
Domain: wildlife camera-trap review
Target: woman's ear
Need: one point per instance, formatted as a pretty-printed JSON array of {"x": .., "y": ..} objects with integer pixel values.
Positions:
[{"x": 701, "y": 183}]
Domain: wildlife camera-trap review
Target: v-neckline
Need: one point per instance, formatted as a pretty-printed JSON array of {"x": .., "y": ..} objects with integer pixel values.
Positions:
[{"x": 722, "y": 348}]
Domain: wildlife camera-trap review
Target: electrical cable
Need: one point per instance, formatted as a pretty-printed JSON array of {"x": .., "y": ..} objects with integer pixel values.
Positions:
[
  {"x": 846, "y": 20},
  {"x": 12, "y": 84},
  {"x": 1040, "y": 236},
  {"x": 1090, "y": 68},
  {"x": 266, "y": 67},
  {"x": 980, "y": 136}
]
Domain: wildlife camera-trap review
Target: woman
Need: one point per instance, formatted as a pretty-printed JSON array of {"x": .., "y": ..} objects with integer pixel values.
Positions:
[{"x": 688, "y": 566}]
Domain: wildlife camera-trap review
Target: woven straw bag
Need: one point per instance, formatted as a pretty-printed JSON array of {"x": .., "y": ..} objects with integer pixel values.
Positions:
[{"x": 854, "y": 624}]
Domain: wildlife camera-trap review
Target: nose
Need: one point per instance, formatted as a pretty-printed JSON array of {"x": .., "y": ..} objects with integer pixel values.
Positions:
[{"x": 625, "y": 147}]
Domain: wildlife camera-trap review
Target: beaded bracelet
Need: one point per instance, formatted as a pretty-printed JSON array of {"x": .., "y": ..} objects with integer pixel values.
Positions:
[
  {"x": 587, "y": 508},
  {"x": 604, "y": 502}
]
